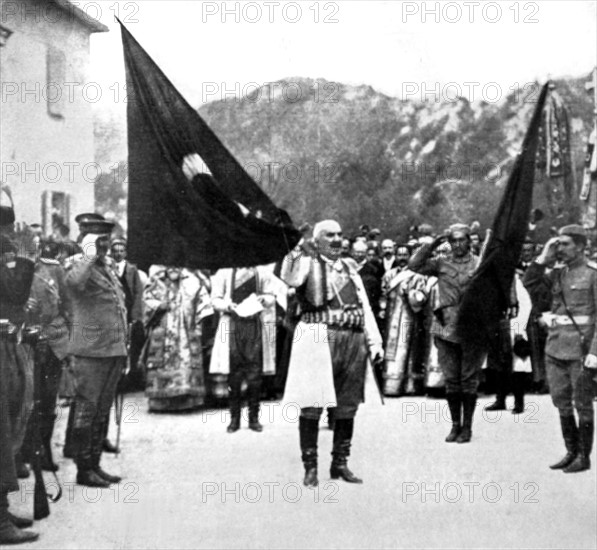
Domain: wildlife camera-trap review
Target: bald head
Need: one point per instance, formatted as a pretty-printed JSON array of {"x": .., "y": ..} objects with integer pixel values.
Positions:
[
  {"x": 327, "y": 235},
  {"x": 325, "y": 226},
  {"x": 359, "y": 251}
]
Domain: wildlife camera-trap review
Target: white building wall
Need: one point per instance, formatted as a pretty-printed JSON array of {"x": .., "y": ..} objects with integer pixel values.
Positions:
[{"x": 41, "y": 151}]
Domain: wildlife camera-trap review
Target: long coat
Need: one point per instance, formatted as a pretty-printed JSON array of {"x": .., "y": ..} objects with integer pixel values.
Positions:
[
  {"x": 174, "y": 360},
  {"x": 406, "y": 293},
  {"x": 221, "y": 298}
]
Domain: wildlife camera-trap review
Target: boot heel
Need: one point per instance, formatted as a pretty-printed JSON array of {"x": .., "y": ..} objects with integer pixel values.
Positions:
[
  {"x": 342, "y": 472},
  {"x": 310, "y": 479}
]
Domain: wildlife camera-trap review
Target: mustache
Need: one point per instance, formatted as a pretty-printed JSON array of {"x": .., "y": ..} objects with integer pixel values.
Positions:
[{"x": 335, "y": 245}]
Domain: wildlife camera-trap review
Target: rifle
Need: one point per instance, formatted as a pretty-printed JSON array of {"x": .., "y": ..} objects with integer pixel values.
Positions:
[{"x": 41, "y": 509}]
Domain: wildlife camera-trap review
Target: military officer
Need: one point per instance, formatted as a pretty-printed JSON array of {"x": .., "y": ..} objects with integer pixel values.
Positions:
[
  {"x": 333, "y": 341},
  {"x": 571, "y": 347},
  {"x": 461, "y": 362},
  {"x": 98, "y": 344}
]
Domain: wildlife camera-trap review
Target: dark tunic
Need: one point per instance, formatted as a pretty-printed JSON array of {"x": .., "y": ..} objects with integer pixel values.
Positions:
[{"x": 16, "y": 369}]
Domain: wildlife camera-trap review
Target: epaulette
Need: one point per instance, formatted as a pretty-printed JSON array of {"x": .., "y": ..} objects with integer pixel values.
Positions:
[{"x": 592, "y": 264}]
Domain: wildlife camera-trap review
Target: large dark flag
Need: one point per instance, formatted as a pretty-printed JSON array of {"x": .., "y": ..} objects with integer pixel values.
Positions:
[
  {"x": 220, "y": 218},
  {"x": 486, "y": 299}
]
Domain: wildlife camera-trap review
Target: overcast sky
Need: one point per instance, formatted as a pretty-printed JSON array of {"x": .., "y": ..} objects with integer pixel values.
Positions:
[{"x": 393, "y": 46}]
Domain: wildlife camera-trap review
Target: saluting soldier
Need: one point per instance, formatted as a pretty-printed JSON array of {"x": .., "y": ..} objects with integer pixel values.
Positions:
[
  {"x": 461, "y": 361},
  {"x": 98, "y": 344},
  {"x": 571, "y": 348},
  {"x": 334, "y": 339}
]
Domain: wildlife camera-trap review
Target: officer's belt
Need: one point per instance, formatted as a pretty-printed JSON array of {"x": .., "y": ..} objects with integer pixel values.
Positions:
[
  {"x": 9, "y": 331},
  {"x": 564, "y": 320},
  {"x": 30, "y": 335},
  {"x": 353, "y": 318}
]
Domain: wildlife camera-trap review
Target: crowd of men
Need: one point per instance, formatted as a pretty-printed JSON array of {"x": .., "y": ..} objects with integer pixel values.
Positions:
[{"x": 307, "y": 327}]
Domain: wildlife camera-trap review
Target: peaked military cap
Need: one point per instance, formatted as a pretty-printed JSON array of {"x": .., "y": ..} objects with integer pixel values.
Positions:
[
  {"x": 97, "y": 227},
  {"x": 89, "y": 216}
]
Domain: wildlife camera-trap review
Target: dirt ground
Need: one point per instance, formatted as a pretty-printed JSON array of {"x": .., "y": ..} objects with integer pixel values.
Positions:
[{"x": 189, "y": 484}]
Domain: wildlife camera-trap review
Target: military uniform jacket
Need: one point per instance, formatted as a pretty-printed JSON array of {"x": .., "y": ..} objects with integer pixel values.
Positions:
[
  {"x": 49, "y": 290},
  {"x": 578, "y": 283},
  {"x": 453, "y": 277},
  {"x": 99, "y": 317}
]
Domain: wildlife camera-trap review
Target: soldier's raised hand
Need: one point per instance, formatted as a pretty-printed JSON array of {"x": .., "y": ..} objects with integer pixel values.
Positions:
[{"x": 548, "y": 254}]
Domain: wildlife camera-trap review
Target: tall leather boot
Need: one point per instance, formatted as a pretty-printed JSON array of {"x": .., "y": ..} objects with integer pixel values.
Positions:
[
  {"x": 47, "y": 429},
  {"x": 107, "y": 445},
  {"x": 342, "y": 439},
  {"x": 582, "y": 462},
  {"x": 97, "y": 444},
  {"x": 234, "y": 403},
  {"x": 331, "y": 420},
  {"x": 308, "y": 433},
  {"x": 570, "y": 434},
  {"x": 518, "y": 387},
  {"x": 455, "y": 405},
  {"x": 254, "y": 398},
  {"x": 20, "y": 466},
  {"x": 502, "y": 392},
  {"x": 86, "y": 475},
  {"x": 9, "y": 532},
  {"x": 68, "y": 451},
  {"x": 469, "y": 402}
]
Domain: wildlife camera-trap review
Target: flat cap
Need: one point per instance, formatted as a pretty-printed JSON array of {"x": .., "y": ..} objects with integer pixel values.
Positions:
[
  {"x": 118, "y": 240},
  {"x": 573, "y": 231}
]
